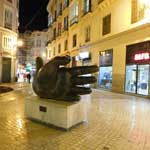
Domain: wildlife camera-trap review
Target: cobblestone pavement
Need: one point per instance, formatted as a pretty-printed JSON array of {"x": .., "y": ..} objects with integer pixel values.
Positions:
[{"x": 116, "y": 122}]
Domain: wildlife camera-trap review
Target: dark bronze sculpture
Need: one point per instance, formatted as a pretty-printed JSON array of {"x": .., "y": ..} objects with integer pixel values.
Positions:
[{"x": 53, "y": 81}]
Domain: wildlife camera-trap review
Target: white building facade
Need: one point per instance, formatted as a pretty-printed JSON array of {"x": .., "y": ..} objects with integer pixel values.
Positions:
[
  {"x": 8, "y": 39},
  {"x": 34, "y": 45}
]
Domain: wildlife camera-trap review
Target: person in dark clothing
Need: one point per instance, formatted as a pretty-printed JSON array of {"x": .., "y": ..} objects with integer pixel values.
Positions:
[{"x": 29, "y": 77}]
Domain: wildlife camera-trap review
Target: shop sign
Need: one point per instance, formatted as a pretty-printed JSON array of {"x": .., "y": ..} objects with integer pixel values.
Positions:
[
  {"x": 138, "y": 53},
  {"x": 84, "y": 55},
  {"x": 142, "y": 56}
]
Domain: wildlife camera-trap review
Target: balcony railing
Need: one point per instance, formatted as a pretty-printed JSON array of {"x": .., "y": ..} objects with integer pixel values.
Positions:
[
  {"x": 74, "y": 20},
  {"x": 87, "y": 11}
]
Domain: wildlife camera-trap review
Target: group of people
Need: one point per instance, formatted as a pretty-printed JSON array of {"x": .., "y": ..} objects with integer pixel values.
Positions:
[{"x": 23, "y": 76}]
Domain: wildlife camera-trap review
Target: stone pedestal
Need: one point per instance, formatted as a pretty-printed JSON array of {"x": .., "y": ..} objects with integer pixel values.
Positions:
[{"x": 58, "y": 113}]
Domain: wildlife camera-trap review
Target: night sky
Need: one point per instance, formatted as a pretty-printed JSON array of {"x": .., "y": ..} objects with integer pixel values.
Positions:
[{"x": 33, "y": 15}]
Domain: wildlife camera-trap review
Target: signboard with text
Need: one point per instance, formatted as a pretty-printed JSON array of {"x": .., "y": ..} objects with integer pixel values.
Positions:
[{"x": 138, "y": 53}]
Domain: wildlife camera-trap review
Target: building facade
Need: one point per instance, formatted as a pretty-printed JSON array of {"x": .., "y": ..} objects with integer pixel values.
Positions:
[
  {"x": 114, "y": 34},
  {"x": 8, "y": 39},
  {"x": 34, "y": 45},
  {"x": 39, "y": 41}
]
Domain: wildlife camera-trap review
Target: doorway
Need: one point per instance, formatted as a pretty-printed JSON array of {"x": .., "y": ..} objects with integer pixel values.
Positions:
[
  {"x": 137, "y": 79},
  {"x": 6, "y": 69}
]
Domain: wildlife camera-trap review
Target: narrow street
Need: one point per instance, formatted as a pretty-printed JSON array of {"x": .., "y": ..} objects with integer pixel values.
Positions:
[{"x": 115, "y": 122}]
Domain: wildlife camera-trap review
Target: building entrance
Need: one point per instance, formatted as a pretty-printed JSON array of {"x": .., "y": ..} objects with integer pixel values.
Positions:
[
  {"x": 137, "y": 79},
  {"x": 138, "y": 69}
]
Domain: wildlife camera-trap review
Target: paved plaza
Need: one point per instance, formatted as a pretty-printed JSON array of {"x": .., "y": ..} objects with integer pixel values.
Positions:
[{"x": 115, "y": 122}]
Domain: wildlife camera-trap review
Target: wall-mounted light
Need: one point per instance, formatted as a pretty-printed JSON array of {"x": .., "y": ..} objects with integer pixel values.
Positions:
[{"x": 20, "y": 42}]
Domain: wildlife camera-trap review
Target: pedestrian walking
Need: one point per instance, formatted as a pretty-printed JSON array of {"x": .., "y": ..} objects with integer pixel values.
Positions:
[{"x": 29, "y": 77}]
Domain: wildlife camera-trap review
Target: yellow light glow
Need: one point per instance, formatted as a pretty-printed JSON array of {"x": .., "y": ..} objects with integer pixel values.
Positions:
[
  {"x": 146, "y": 5},
  {"x": 19, "y": 43},
  {"x": 145, "y": 2},
  {"x": 44, "y": 55}
]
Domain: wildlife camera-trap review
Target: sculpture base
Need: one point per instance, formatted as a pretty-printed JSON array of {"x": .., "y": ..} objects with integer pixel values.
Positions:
[{"x": 58, "y": 113}]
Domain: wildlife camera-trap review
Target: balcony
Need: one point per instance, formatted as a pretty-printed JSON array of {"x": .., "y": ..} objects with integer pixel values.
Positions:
[
  {"x": 86, "y": 11},
  {"x": 74, "y": 20}
]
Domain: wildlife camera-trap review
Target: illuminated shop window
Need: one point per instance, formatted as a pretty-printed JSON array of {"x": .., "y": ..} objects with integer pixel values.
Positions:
[{"x": 105, "y": 73}]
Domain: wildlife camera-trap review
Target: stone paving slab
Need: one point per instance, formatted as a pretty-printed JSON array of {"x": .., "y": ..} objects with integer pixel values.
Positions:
[{"x": 115, "y": 122}]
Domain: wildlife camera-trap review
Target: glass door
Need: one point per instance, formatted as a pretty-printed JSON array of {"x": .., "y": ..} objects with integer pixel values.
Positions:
[
  {"x": 131, "y": 77},
  {"x": 142, "y": 80}
]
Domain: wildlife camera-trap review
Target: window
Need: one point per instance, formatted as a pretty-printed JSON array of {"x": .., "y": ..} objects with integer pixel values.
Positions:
[
  {"x": 59, "y": 48},
  {"x": 73, "y": 14},
  {"x": 55, "y": 15},
  {"x": 87, "y": 6},
  {"x": 50, "y": 20},
  {"x": 87, "y": 34},
  {"x": 66, "y": 45},
  {"x": 137, "y": 12},
  {"x": 54, "y": 33},
  {"x": 8, "y": 19},
  {"x": 105, "y": 70},
  {"x": 59, "y": 29},
  {"x": 74, "y": 40},
  {"x": 66, "y": 23},
  {"x": 38, "y": 43},
  {"x": 49, "y": 54},
  {"x": 54, "y": 51},
  {"x": 60, "y": 9},
  {"x": 66, "y": 4},
  {"x": 107, "y": 24},
  {"x": 7, "y": 42}
]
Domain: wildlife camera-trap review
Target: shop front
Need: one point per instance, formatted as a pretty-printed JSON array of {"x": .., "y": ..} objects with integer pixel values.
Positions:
[
  {"x": 138, "y": 69},
  {"x": 105, "y": 70}
]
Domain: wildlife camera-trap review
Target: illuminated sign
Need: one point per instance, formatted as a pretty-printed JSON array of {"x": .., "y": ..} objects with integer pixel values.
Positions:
[
  {"x": 142, "y": 56},
  {"x": 84, "y": 55}
]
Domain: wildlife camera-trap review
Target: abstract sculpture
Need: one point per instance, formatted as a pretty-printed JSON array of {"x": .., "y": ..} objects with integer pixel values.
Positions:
[{"x": 53, "y": 81}]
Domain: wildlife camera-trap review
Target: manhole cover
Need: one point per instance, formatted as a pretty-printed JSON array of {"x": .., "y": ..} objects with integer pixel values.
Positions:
[{"x": 4, "y": 89}]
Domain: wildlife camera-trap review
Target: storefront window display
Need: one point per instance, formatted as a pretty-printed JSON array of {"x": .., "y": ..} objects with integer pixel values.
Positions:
[
  {"x": 138, "y": 69},
  {"x": 137, "y": 77},
  {"x": 105, "y": 77},
  {"x": 105, "y": 73},
  {"x": 131, "y": 78}
]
